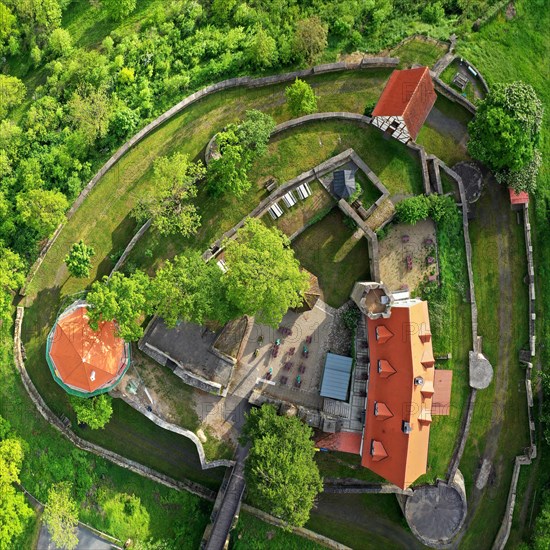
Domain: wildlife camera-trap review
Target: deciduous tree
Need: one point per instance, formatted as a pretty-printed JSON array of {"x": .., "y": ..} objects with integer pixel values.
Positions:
[
  {"x": 61, "y": 516},
  {"x": 93, "y": 411},
  {"x": 310, "y": 38},
  {"x": 505, "y": 132},
  {"x": 281, "y": 474},
  {"x": 12, "y": 93},
  {"x": 14, "y": 511},
  {"x": 301, "y": 98},
  {"x": 261, "y": 49},
  {"x": 169, "y": 202},
  {"x": 79, "y": 260},
  {"x": 122, "y": 299},
  {"x": 60, "y": 42},
  {"x": 263, "y": 278},
  {"x": 127, "y": 517},
  {"x": 42, "y": 210},
  {"x": 11, "y": 278},
  {"x": 190, "y": 289},
  {"x": 118, "y": 9}
]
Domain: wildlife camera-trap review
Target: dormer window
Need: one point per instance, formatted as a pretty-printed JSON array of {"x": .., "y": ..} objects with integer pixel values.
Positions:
[
  {"x": 406, "y": 427},
  {"x": 418, "y": 381}
]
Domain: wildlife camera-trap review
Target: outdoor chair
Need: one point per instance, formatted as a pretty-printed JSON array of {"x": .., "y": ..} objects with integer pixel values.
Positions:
[
  {"x": 405, "y": 238},
  {"x": 302, "y": 369},
  {"x": 291, "y": 351},
  {"x": 283, "y": 380},
  {"x": 308, "y": 339}
]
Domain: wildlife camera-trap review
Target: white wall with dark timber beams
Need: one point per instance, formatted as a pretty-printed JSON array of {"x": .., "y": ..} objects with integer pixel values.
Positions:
[{"x": 395, "y": 123}]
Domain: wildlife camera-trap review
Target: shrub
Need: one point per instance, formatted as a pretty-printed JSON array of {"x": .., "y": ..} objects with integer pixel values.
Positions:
[
  {"x": 412, "y": 210},
  {"x": 433, "y": 13},
  {"x": 301, "y": 98}
]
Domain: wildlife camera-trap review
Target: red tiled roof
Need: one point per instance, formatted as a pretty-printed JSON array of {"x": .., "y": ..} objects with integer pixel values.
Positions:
[
  {"x": 518, "y": 198},
  {"x": 403, "y": 437},
  {"x": 345, "y": 442},
  {"x": 86, "y": 359},
  {"x": 441, "y": 401},
  {"x": 409, "y": 94}
]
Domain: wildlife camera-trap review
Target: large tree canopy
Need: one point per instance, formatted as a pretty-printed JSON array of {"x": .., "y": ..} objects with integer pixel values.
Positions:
[
  {"x": 238, "y": 146},
  {"x": 169, "y": 202},
  {"x": 505, "y": 132},
  {"x": 93, "y": 411},
  {"x": 281, "y": 473},
  {"x": 61, "y": 516},
  {"x": 263, "y": 278},
  {"x": 190, "y": 289},
  {"x": 122, "y": 299},
  {"x": 14, "y": 510}
]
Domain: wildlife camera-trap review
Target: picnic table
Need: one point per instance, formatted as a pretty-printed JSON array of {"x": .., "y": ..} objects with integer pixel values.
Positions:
[{"x": 409, "y": 262}]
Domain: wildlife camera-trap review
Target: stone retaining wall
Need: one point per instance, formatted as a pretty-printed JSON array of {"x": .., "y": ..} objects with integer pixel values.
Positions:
[
  {"x": 530, "y": 279},
  {"x": 370, "y": 235},
  {"x": 452, "y": 94},
  {"x": 302, "y": 531},
  {"x": 130, "y": 246},
  {"x": 179, "y": 430},
  {"x": 117, "y": 459},
  {"x": 423, "y": 165},
  {"x": 244, "y": 81}
]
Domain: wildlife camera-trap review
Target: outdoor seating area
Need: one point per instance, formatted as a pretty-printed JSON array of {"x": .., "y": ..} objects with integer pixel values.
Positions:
[{"x": 287, "y": 362}]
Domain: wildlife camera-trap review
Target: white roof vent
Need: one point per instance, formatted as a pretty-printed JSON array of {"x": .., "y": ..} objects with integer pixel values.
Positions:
[{"x": 92, "y": 376}]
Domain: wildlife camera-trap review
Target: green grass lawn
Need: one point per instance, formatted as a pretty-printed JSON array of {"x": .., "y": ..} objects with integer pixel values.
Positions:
[
  {"x": 418, "y": 51},
  {"x": 344, "y": 465},
  {"x": 329, "y": 250},
  {"x": 370, "y": 193},
  {"x": 503, "y": 404},
  {"x": 251, "y": 532},
  {"x": 296, "y": 151}
]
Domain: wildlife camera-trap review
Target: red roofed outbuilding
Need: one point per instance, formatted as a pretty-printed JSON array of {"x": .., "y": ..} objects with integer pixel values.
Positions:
[
  {"x": 405, "y": 103},
  {"x": 517, "y": 200}
]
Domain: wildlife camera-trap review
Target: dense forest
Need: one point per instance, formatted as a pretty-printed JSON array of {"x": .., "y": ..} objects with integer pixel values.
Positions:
[{"x": 67, "y": 104}]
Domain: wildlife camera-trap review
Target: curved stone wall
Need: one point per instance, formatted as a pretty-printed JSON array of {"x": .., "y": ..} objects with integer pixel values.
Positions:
[{"x": 244, "y": 81}]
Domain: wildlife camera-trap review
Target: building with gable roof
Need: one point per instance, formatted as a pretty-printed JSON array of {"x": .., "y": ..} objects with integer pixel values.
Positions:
[
  {"x": 400, "y": 390},
  {"x": 405, "y": 103}
]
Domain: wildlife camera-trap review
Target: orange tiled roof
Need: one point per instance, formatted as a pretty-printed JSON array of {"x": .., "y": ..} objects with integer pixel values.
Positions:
[
  {"x": 409, "y": 94},
  {"x": 86, "y": 359},
  {"x": 396, "y": 447}
]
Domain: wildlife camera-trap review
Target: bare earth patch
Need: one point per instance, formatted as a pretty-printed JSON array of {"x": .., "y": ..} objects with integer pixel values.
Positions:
[{"x": 394, "y": 270}]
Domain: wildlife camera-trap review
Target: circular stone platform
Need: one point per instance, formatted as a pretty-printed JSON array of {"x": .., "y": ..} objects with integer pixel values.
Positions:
[
  {"x": 472, "y": 179},
  {"x": 435, "y": 513}
]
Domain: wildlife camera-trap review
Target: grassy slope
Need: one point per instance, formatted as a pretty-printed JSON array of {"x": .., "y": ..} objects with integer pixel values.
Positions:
[
  {"x": 505, "y": 51},
  {"x": 46, "y": 446},
  {"x": 498, "y": 406}
]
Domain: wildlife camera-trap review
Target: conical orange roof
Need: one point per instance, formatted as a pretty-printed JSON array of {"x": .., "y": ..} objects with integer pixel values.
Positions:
[{"x": 85, "y": 359}]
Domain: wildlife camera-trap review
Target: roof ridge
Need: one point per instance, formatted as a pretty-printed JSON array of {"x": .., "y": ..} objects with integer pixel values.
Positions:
[{"x": 415, "y": 90}]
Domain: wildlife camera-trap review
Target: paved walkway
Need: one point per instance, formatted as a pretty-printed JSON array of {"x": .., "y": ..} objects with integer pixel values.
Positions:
[{"x": 87, "y": 540}]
